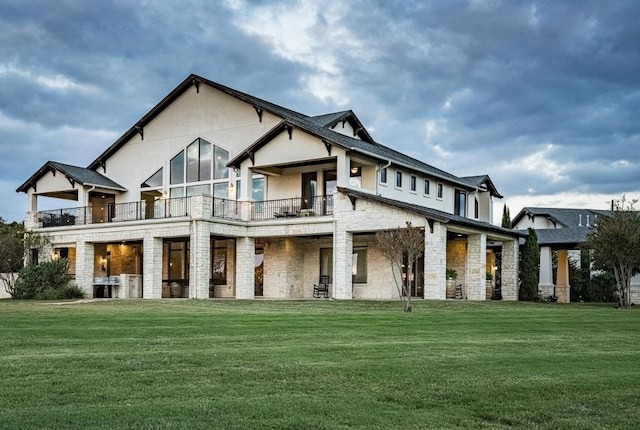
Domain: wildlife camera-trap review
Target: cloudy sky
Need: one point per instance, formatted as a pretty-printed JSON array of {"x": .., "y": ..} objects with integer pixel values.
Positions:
[{"x": 544, "y": 96}]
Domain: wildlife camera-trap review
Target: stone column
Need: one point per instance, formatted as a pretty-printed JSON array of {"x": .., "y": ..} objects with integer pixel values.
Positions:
[
  {"x": 562, "y": 283},
  {"x": 435, "y": 262},
  {"x": 545, "y": 285},
  {"x": 152, "y": 268},
  {"x": 342, "y": 264},
  {"x": 200, "y": 272},
  {"x": 245, "y": 261},
  {"x": 476, "y": 269},
  {"x": 510, "y": 253},
  {"x": 84, "y": 266}
]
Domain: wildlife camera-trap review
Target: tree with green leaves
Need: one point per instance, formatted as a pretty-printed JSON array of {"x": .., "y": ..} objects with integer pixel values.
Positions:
[
  {"x": 506, "y": 217},
  {"x": 615, "y": 245},
  {"x": 529, "y": 268},
  {"x": 14, "y": 243},
  {"x": 397, "y": 245}
]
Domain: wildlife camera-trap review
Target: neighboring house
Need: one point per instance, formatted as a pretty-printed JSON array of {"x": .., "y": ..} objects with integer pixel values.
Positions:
[
  {"x": 217, "y": 193},
  {"x": 564, "y": 231}
]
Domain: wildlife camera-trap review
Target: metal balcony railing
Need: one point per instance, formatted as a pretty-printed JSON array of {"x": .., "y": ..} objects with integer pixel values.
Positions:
[
  {"x": 181, "y": 206},
  {"x": 292, "y": 208}
]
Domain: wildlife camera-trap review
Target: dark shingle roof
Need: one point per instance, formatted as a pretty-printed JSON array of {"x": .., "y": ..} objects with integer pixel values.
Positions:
[
  {"x": 434, "y": 214},
  {"x": 563, "y": 217},
  {"x": 572, "y": 236},
  {"x": 77, "y": 174}
]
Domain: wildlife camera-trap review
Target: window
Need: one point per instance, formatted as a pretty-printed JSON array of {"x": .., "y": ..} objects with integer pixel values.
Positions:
[
  {"x": 199, "y": 190},
  {"x": 154, "y": 180},
  {"x": 199, "y": 161},
  {"x": 219, "y": 262},
  {"x": 359, "y": 265},
  {"x": 439, "y": 190},
  {"x": 460, "y": 203},
  {"x": 426, "y": 187},
  {"x": 476, "y": 208},
  {"x": 383, "y": 176},
  {"x": 221, "y": 171},
  {"x": 398, "y": 179},
  {"x": 177, "y": 169},
  {"x": 412, "y": 183}
]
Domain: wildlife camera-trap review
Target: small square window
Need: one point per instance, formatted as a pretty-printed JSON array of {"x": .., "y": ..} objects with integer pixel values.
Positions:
[
  {"x": 399, "y": 179},
  {"x": 383, "y": 176}
]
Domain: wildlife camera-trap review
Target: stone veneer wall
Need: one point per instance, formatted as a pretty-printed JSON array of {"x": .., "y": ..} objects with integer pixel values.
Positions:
[{"x": 456, "y": 259}]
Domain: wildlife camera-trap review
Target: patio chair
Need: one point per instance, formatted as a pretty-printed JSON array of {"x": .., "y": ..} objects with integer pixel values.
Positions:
[{"x": 322, "y": 287}]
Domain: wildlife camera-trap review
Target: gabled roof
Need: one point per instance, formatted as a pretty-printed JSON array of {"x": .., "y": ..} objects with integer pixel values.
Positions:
[
  {"x": 332, "y": 119},
  {"x": 320, "y": 126},
  {"x": 74, "y": 174},
  {"x": 192, "y": 80},
  {"x": 434, "y": 214},
  {"x": 562, "y": 217},
  {"x": 370, "y": 149},
  {"x": 483, "y": 182}
]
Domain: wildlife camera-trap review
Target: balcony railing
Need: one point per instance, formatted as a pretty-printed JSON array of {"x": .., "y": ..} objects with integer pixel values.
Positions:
[
  {"x": 181, "y": 206},
  {"x": 292, "y": 208}
]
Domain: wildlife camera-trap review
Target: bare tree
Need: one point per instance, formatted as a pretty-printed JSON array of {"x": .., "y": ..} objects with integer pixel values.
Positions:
[
  {"x": 615, "y": 242},
  {"x": 396, "y": 245}
]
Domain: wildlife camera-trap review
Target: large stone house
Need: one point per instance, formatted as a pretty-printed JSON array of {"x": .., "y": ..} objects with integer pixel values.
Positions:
[{"x": 217, "y": 193}]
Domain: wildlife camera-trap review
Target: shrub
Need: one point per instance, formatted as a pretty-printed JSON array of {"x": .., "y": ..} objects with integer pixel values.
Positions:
[{"x": 43, "y": 281}]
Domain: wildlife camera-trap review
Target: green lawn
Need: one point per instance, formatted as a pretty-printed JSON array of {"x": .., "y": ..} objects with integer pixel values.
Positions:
[{"x": 185, "y": 364}]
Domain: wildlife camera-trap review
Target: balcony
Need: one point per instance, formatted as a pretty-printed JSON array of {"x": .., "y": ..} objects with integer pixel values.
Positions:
[{"x": 207, "y": 206}]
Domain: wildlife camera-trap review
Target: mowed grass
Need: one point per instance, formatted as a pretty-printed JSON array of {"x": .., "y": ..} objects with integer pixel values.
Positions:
[{"x": 185, "y": 364}]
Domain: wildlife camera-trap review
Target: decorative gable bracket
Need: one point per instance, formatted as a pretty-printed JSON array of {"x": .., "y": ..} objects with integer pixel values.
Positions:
[
  {"x": 289, "y": 130},
  {"x": 353, "y": 201},
  {"x": 259, "y": 112},
  {"x": 327, "y": 145},
  {"x": 140, "y": 131}
]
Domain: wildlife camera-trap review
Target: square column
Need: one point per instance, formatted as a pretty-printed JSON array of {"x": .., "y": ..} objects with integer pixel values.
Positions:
[
  {"x": 510, "y": 254},
  {"x": 435, "y": 262},
  {"x": 245, "y": 267},
  {"x": 152, "y": 268},
  {"x": 200, "y": 272},
  {"x": 545, "y": 283},
  {"x": 563, "y": 290},
  {"x": 476, "y": 267},
  {"x": 84, "y": 266},
  {"x": 342, "y": 265}
]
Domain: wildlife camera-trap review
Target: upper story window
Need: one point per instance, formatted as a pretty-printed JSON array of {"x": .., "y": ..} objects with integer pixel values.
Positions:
[
  {"x": 202, "y": 167},
  {"x": 383, "y": 176},
  {"x": 398, "y": 179},
  {"x": 427, "y": 185},
  {"x": 439, "y": 190},
  {"x": 153, "y": 181},
  {"x": 476, "y": 209},
  {"x": 412, "y": 183},
  {"x": 460, "y": 203}
]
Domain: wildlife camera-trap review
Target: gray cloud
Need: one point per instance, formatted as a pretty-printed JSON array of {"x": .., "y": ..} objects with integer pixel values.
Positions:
[{"x": 542, "y": 95}]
